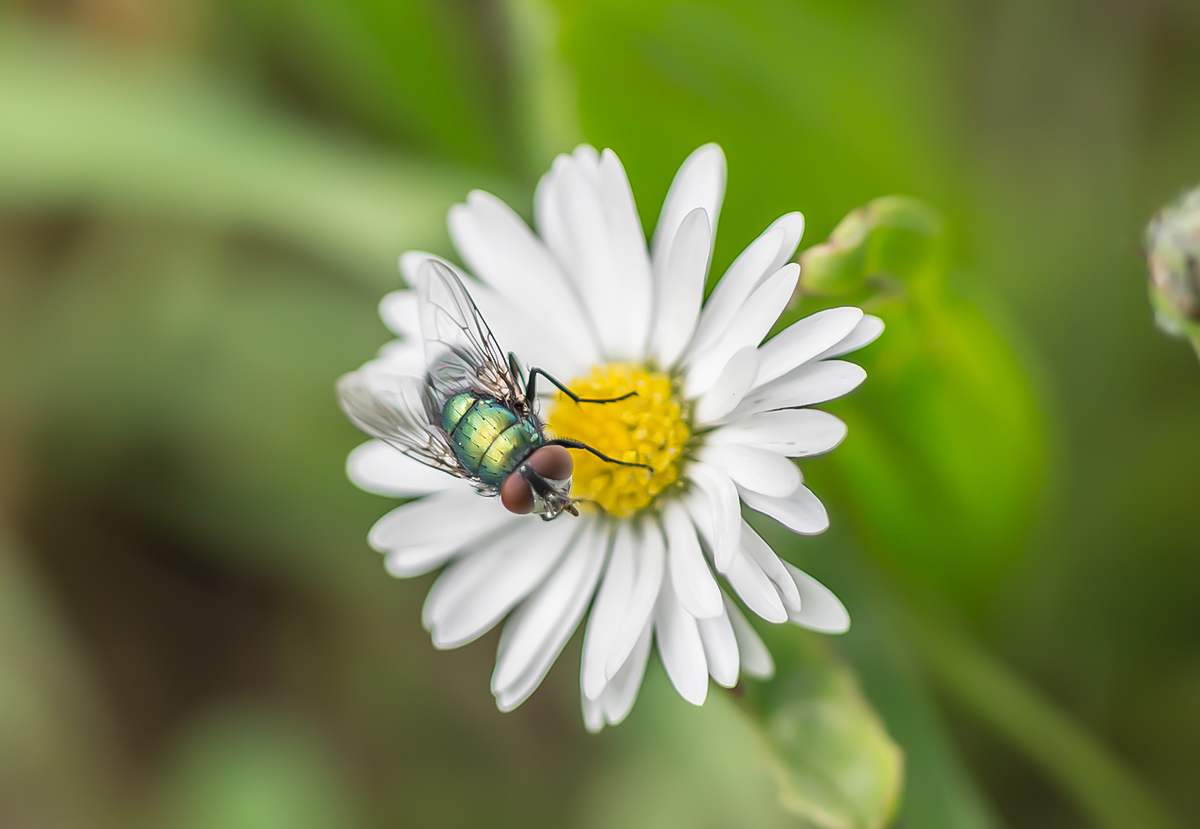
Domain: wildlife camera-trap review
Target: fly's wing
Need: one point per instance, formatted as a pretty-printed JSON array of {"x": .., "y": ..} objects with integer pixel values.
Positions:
[
  {"x": 391, "y": 408},
  {"x": 460, "y": 351}
]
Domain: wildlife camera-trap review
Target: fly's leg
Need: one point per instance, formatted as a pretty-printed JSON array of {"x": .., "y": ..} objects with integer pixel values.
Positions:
[
  {"x": 574, "y": 444},
  {"x": 514, "y": 366},
  {"x": 531, "y": 387}
]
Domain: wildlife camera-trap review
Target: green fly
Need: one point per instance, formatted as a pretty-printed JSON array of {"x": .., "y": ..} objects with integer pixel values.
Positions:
[{"x": 473, "y": 413}]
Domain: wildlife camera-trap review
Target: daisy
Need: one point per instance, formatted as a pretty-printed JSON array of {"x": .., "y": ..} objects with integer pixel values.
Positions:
[{"x": 654, "y": 557}]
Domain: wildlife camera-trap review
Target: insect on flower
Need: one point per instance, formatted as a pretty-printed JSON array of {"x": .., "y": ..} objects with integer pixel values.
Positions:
[{"x": 473, "y": 415}]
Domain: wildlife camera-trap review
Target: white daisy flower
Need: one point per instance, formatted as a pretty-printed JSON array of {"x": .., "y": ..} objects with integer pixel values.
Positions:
[{"x": 654, "y": 557}]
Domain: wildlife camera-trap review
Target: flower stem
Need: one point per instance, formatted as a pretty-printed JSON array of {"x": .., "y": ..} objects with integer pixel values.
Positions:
[{"x": 1097, "y": 781}]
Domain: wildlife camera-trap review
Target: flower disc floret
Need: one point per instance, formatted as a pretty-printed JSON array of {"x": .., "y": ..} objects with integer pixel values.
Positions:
[{"x": 650, "y": 427}]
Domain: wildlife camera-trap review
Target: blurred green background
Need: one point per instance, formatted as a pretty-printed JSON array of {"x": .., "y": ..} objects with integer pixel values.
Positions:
[{"x": 201, "y": 202}]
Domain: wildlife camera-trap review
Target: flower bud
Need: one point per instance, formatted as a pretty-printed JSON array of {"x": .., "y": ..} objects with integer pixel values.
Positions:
[
  {"x": 1173, "y": 256},
  {"x": 888, "y": 235}
]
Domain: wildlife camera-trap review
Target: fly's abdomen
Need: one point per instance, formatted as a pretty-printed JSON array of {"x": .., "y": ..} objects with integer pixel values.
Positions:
[{"x": 488, "y": 439}]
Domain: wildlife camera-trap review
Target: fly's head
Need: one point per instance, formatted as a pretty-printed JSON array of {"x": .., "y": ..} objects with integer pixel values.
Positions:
[{"x": 541, "y": 484}]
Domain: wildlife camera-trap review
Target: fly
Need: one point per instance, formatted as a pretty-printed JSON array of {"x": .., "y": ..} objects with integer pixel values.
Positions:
[{"x": 472, "y": 415}]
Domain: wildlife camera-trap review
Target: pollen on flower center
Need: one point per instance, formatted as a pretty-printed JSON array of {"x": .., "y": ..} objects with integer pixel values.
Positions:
[{"x": 649, "y": 428}]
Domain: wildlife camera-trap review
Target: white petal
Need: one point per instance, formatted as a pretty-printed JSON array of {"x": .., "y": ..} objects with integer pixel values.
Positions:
[
  {"x": 631, "y": 281},
  {"x": 474, "y": 593},
  {"x": 384, "y": 470},
  {"x": 748, "y": 327},
  {"x": 691, "y": 579},
  {"x": 720, "y": 648},
  {"x": 795, "y": 433},
  {"x": 700, "y": 182},
  {"x": 406, "y": 562},
  {"x": 750, "y": 583},
  {"x": 801, "y": 512},
  {"x": 803, "y": 340},
  {"x": 820, "y": 610},
  {"x": 812, "y": 383},
  {"x": 549, "y": 218},
  {"x": 761, "y": 470},
  {"x": 593, "y": 715},
  {"x": 679, "y": 646},
  {"x": 773, "y": 567},
  {"x": 454, "y": 516},
  {"x": 618, "y": 697},
  {"x": 717, "y": 512},
  {"x": 537, "y": 631},
  {"x": 866, "y": 332},
  {"x": 763, "y": 257},
  {"x": 588, "y": 159},
  {"x": 681, "y": 288},
  {"x": 503, "y": 252},
  {"x": 402, "y": 357},
  {"x": 608, "y": 612},
  {"x": 756, "y": 659},
  {"x": 411, "y": 263},
  {"x": 792, "y": 225},
  {"x": 398, "y": 310},
  {"x": 472, "y": 521},
  {"x": 649, "y": 564},
  {"x": 731, "y": 386},
  {"x": 614, "y": 283}
]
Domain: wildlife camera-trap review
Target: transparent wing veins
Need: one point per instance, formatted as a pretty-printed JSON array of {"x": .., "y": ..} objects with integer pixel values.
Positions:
[
  {"x": 460, "y": 350},
  {"x": 391, "y": 408}
]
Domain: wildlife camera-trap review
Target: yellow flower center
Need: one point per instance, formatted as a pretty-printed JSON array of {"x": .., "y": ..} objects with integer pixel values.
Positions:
[{"x": 649, "y": 428}]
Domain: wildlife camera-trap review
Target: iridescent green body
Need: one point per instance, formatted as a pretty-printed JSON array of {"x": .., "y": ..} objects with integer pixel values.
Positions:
[{"x": 488, "y": 439}]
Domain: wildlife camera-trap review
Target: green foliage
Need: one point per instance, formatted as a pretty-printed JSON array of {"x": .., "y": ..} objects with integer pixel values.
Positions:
[
  {"x": 948, "y": 451},
  {"x": 835, "y": 764},
  {"x": 683, "y": 767}
]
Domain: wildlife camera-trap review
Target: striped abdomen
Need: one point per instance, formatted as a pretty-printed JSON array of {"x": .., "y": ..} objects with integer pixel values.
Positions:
[{"x": 489, "y": 440}]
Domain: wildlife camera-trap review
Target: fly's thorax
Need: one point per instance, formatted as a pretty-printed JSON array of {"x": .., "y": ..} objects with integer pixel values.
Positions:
[
  {"x": 455, "y": 408},
  {"x": 488, "y": 438}
]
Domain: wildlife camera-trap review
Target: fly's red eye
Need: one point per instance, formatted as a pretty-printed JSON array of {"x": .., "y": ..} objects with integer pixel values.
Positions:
[
  {"x": 516, "y": 495},
  {"x": 553, "y": 462}
]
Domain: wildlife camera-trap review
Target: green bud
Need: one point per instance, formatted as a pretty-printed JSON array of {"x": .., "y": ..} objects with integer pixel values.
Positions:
[
  {"x": 1173, "y": 256},
  {"x": 889, "y": 234},
  {"x": 837, "y": 264}
]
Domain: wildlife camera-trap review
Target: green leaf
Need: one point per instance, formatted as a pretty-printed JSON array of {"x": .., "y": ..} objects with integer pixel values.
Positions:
[
  {"x": 947, "y": 451},
  {"x": 834, "y": 762},
  {"x": 678, "y": 766},
  {"x": 939, "y": 791},
  {"x": 85, "y": 127}
]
